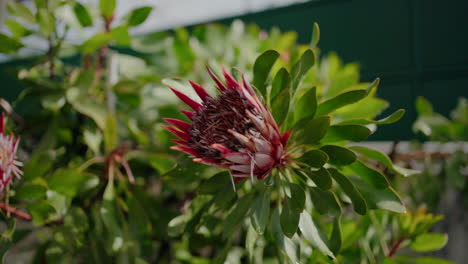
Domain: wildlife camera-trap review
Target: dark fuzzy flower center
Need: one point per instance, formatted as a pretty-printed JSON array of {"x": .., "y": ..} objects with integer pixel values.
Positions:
[{"x": 212, "y": 122}]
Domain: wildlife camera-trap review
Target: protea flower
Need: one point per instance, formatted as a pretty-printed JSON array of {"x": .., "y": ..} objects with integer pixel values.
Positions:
[
  {"x": 9, "y": 166},
  {"x": 234, "y": 130}
]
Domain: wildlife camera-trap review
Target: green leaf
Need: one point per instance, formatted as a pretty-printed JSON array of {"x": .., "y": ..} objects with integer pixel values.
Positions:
[
  {"x": 17, "y": 29},
  {"x": 281, "y": 82},
  {"x": 237, "y": 214},
  {"x": 111, "y": 136},
  {"x": 423, "y": 106},
  {"x": 325, "y": 202},
  {"x": 86, "y": 106},
  {"x": 46, "y": 22},
  {"x": 262, "y": 68},
  {"x": 305, "y": 105},
  {"x": 379, "y": 198},
  {"x": 139, "y": 15},
  {"x": 280, "y": 106},
  {"x": 369, "y": 174},
  {"x": 350, "y": 190},
  {"x": 121, "y": 36},
  {"x": 67, "y": 181},
  {"x": 392, "y": 118},
  {"x": 339, "y": 156},
  {"x": 315, "y": 36},
  {"x": 289, "y": 218},
  {"x": 313, "y": 235},
  {"x": 96, "y": 42},
  {"x": 38, "y": 165},
  {"x": 31, "y": 191},
  {"x": 336, "y": 237},
  {"x": 215, "y": 183},
  {"x": 261, "y": 212},
  {"x": 40, "y": 3},
  {"x": 297, "y": 200},
  {"x": 383, "y": 158},
  {"x": 21, "y": 11},
  {"x": 285, "y": 244},
  {"x": 176, "y": 226},
  {"x": 314, "y": 130},
  {"x": 355, "y": 133},
  {"x": 40, "y": 212},
  {"x": 345, "y": 98},
  {"x": 82, "y": 14},
  {"x": 314, "y": 158},
  {"x": 9, "y": 45},
  {"x": 321, "y": 178},
  {"x": 429, "y": 242},
  {"x": 299, "y": 69},
  {"x": 107, "y": 7}
]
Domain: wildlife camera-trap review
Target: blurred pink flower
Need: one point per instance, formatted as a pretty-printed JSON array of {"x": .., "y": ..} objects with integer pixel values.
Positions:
[
  {"x": 234, "y": 130},
  {"x": 9, "y": 166}
]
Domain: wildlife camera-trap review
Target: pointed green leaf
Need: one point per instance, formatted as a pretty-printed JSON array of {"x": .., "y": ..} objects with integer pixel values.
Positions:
[
  {"x": 262, "y": 68},
  {"x": 96, "y": 42},
  {"x": 350, "y": 190},
  {"x": 379, "y": 198},
  {"x": 369, "y": 174},
  {"x": 313, "y": 235},
  {"x": 289, "y": 219},
  {"x": 429, "y": 242},
  {"x": 30, "y": 191},
  {"x": 355, "y": 133},
  {"x": 314, "y": 130},
  {"x": 139, "y": 15},
  {"x": 297, "y": 200},
  {"x": 345, "y": 98},
  {"x": 67, "y": 181},
  {"x": 321, "y": 178},
  {"x": 9, "y": 45},
  {"x": 280, "y": 106},
  {"x": 315, "y": 36},
  {"x": 107, "y": 7},
  {"x": 82, "y": 14},
  {"x": 305, "y": 105},
  {"x": 392, "y": 118},
  {"x": 281, "y": 82},
  {"x": 121, "y": 36},
  {"x": 285, "y": 244},
  {"x": 261, "y": 212},
  {"x": 336, "y": 237},
  {"x": 339, "y": 156},
  {"x": 325, "y": 202},
  {"x": 300, "y": 69},
  {"x": 21, "y": 11},
  {"x": 17, "y": 29},
  {"x": 46, "y": 21},
  {"x": 423, "y": 106},
  {"x": 237, "y": 214},
  {"x": 314, "y": 158}
]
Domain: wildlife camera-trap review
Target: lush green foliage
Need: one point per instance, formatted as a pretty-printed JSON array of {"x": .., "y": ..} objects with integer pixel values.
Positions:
[{"x": 101, "y": 185}]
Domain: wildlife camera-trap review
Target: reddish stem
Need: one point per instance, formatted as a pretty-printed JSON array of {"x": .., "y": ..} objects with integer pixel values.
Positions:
[
  {"x": 395, "y": 247},
  {"x": 16, "y": 212}
]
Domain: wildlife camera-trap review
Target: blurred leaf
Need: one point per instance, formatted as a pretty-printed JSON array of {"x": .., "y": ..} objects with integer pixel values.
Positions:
[
  {"x": 394, "y": 117},
  {"x": 429, "y": 242},
  {"x": 321, "y": 178},
  {"x": 17, "y": 29},
  {"x": 38, "y": 165},
  {"x": 31, "y": 191},
  {"x": 325, "y": 202},
  {"x": 355, "y": 133},
  {"x": 379, "y": 198},
  {"x": 40, "y": 211},
  {"x": 369, "y": 174},
  {"x": 280, "y": 106},
  {"x": 338, "y": 155},
  {"x": 121, "y": 36},
  {"x": 284, "y": 243},
  {"x": 315, "y": 36},
  {"x": 96, "y": 42},
  {"x": 381, "y": 157},
  {"x": 82, "y": 14},
  {"x": 281, "y": 82},
  {"x": 215, "y": 183},
  {"x": 9, "y": 45},
  {"x": 111, "y": 136},
  {"x": 76, "y": 220},
  {"x": 262, "y": 68},
  {"x": 305, "y": 105},
  {"x": 297, "y": 201},
  {"x": 314, "y": 130},
  {"x": 299, "y": 69},
  {"x": 21, "y": 11},
  {"x": 139, "y": 15},
  {"x": 237, "y": 215},
  {"x": 336, "y": 237},
  {"x": 88, "y": 107},
  {"x": 289, "y": 218},
  {"x": 261, "y": 211},
  {"x": 350, "y": 190},
  {"x": 423, "y": 106},
  {"x": 176, "y": 226},
  {"x": 107, "y": 7},
  {"x": 46, "y": 21},
  {"x": 340, "y": 100},
  {"x": 66, "y": 181},
  {"x": 314, "y": 158},
  {"x": 40, "y": 3},
  {"x": 313, "y": 235}
]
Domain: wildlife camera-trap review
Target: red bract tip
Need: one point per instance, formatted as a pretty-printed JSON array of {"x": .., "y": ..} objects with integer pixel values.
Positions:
[
  {"x": 200, "y": 91},
  {"x": 219, "y": 84},
  {"x": 194, "y": 105},
  {"x": 230, "y": 82}
]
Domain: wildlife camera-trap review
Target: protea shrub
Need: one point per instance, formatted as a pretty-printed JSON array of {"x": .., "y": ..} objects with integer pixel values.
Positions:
[
  {"x": 284, "y": 134},
  {"x": 9, "y": 165}
]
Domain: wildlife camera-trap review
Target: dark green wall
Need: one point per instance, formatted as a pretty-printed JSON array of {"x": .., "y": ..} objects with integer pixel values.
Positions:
[{"x": 417, "y": 47}]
